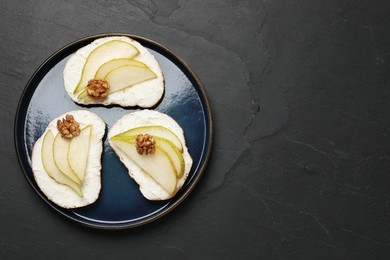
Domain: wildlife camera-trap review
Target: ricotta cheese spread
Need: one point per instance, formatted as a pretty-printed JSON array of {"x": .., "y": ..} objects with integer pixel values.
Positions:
[
  {"x": 145, "y": 94},
  {"x": 148, "y": 186},
  {"x": 63, "y": 195}
]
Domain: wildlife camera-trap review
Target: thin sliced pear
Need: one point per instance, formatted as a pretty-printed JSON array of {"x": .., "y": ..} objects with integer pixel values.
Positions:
[
  {"x": 126, "y": 76},
  {"x": 102, "y": 54},
  {"x": 155, "y": 130},
  {"x": 60, "y": 154},
  {"x": 156, "y": 165},
  {"x": 78, "y": 152},
  {"x": 83, "y": 94},
  {"x": 50, "y": 166},
  {"x": 102, "y": 72},
  {"x": 174, "y": 155}
]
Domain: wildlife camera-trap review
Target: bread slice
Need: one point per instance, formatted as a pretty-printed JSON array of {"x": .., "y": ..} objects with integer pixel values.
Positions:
[
  {"x": 61, "y": 194},
  {"x": 148, "y": 186},
  {"x": 145, "y": 94}
]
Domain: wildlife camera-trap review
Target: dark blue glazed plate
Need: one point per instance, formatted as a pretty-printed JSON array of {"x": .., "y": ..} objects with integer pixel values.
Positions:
[{"x": 120, "y": 204}]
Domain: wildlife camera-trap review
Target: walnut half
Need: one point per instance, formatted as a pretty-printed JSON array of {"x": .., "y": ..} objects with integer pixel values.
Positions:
[
  {"x": 68, "y": 127},
  {"x": 98, "y": 88},
  {"x": 145, "y": 144}
]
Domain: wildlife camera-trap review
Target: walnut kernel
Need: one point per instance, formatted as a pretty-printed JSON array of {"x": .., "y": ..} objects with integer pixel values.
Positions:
[
  {"x": 68, "y": 127},
  {"x": 145, "y": 144},
  {"x": 98, "y": 88}
]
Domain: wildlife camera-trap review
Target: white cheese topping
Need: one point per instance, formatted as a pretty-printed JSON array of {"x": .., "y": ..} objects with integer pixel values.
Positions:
[
  {"x": 63, "y": 195},
  {"x": 149, "y": 187},
  {"x": 145, "y": 94}
]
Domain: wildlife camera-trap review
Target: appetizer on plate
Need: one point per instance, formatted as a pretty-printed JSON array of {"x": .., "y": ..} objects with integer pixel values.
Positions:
[
  {"x": 66, "y": 159},
  {"x": 114, "y": 71},
  {"x": 152, "y": 147}
]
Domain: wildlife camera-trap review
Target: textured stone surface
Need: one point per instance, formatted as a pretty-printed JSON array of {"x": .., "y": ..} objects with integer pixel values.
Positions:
[{"x": 300, "y": 98}]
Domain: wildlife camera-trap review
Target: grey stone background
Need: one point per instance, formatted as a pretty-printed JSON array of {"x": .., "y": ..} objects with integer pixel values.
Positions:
[{"x": 300, "y": 95}]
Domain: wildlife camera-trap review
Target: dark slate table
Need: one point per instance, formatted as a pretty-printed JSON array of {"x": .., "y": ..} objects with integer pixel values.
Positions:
[{"x": 300, "y": 95}]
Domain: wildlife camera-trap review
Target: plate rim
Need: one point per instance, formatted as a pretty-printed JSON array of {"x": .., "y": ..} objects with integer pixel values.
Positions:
[{"x": 27, "y": 95}]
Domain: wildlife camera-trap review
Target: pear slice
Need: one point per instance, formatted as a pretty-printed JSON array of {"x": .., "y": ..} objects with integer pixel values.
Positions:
[
  {"x": 174, "y": 155},
  {"x": 157, "y": 165},
  {"x": 83, "y": 94},
  {"x": 155, "y": 130},
  {"x": 60, "y": 154},
  {"x": 50, "y": 166},
  {"x": 78, "y": 152},
  {"x": 100, "y": 55},
  {"x": 126, "y": 76},
  {"x": 102, "y": 72}
]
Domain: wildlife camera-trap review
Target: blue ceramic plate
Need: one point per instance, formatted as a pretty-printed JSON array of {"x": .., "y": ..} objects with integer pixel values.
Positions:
[{"x": 120, "y": 204}]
